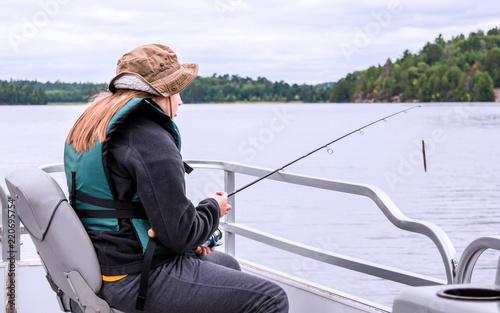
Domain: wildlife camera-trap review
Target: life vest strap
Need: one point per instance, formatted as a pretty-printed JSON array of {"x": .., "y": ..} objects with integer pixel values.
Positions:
[
  {"x": 120, "y": 209},
  {"x": 146, "y": 267},
  {"x": 112, "y": 214},
  {"x": 105, "y": 203}
]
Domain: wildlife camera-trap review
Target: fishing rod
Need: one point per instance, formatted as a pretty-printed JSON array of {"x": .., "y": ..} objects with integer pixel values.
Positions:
[{"x": 323, "y": 146}]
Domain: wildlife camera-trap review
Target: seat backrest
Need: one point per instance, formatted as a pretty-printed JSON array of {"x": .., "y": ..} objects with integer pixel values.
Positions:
[{"x": 56, "y": 231}]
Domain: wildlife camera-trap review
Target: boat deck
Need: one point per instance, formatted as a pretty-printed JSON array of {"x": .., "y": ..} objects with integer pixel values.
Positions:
[{"x": 28, "y": 290}]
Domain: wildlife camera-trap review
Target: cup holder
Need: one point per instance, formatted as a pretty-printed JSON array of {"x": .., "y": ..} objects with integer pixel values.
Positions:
[{"x": 470, "y": 294}]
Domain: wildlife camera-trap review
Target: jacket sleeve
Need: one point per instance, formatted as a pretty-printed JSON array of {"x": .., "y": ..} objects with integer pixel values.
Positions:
[{"x": 156, "y": 164}]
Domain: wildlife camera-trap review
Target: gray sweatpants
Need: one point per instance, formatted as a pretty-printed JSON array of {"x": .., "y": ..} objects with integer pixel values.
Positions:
[{"x": 213, "y": 283}]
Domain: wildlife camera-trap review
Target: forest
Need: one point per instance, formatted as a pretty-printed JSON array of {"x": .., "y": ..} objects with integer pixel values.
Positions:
[
  {"x": 460, "y": 69},
  {"x": 33, "y": 92},
  {"x": 202, "y": 90},
  {"x": 239, "y": 89}
]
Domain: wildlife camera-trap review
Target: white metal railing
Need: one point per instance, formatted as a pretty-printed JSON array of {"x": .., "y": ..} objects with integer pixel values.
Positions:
[
  {"x": 470, "y": 255},
  {"x": 380, "y": 198}
]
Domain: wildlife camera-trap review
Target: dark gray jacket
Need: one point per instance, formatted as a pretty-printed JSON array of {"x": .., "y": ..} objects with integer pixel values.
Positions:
[{"x": 142, "y": 156}]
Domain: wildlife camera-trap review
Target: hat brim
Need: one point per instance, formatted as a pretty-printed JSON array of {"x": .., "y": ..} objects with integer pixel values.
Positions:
[
  {"x": 166, "y": 86},
  {"x": 177, "y": 81}
]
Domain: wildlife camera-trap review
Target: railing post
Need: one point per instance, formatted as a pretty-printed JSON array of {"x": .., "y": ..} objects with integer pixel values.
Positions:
[
  {"x": 471, "y": 254},
  {"x": 230, "y": 238},
  {"x": 11, "y": 252}
]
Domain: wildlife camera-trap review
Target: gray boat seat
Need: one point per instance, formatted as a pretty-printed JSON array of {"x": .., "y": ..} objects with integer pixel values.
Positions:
[{"x": 62, "y": 243}]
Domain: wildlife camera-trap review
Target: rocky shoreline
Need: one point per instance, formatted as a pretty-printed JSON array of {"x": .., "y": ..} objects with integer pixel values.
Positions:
[{"x": 398, "y": 98}]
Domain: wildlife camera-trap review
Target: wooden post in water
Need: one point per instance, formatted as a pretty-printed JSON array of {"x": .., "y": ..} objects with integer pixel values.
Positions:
[{"x": 423, "y": 153}]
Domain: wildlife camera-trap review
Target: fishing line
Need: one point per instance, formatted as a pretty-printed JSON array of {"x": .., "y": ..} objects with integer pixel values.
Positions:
[{"x": 329, "y": 150}]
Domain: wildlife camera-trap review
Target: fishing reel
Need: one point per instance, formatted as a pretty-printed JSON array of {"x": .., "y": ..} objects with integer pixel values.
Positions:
[{"x": 214, "y": 240}]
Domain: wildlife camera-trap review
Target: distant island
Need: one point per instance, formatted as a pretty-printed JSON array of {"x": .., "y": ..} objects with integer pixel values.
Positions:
[{"x": 460, "y": 69}]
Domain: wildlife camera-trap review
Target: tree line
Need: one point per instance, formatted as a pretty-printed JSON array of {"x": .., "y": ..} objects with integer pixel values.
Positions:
[
  {"x": 218, "y": 89},
  {"x": 21, "y": 92},
  {"x": 460, "y": 69},
  {"x": 34, "y": 92},
  {"x": 224, "y": 88}
]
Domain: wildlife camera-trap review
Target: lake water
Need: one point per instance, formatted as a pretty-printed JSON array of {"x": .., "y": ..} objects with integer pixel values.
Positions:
[{"x": 460, "y": 191}]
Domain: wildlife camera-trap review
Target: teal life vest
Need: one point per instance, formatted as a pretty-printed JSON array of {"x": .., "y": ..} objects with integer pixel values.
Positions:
[{"x": 91, "y": 191}]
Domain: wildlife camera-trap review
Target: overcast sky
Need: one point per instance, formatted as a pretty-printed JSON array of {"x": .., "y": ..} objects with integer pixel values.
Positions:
[{"x": 308, "y": 41}]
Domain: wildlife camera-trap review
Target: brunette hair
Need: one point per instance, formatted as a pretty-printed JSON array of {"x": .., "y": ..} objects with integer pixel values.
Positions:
[{"x": 92, "y": 124}]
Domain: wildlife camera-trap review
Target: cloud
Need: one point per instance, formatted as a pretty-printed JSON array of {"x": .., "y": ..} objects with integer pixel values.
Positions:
[{"x": 297, "y": 41}]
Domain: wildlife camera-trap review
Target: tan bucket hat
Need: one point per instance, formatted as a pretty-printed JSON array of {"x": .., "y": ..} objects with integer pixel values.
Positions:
[{"x": 157, "y": 66}]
